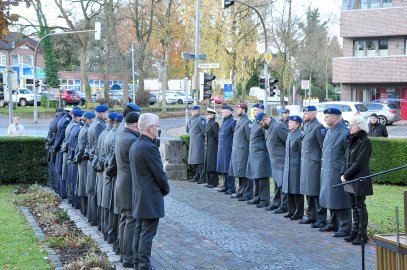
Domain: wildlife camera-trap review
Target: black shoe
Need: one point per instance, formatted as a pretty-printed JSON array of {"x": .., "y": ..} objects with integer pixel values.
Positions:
[
  {"x": 271, "y": 208},
  {"x": 280, "y": 210},
  {"x": 210, "y": 186},
  {"x": 229, "y": 192},
  {"x": 236, "y": 196},
  {"x": 243, "y": 199},
  {"x": 261, "y": 205},
  {"x": 201, "y": 182},
  {"x": 253, "y": 201},
  {"x": 317, "y": 225},
  {"x": 193, "y": 180},
  {"x": 128, "y": 265},
  {"x": 222, "y": 190},
  {"x": 93, "y": 224},
  {"x": 306, "y": 220},
  {"x": 105, "y": 236},
  {"x": 288, "y": 216},
  {"x": 327, "y": 228},
  {"x": 358, "y": 240},
  {"x": 295, "y": 217},
  {"x": 340, "y": 234}
]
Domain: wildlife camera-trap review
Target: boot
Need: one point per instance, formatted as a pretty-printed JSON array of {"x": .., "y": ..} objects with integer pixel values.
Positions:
[
  {"x": 353, "y": 235},
  {"x": 363, "y": 220},
  {"x": 355, "y": 226}
]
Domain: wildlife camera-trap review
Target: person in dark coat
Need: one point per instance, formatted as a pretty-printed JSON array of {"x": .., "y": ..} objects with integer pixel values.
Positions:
[
  {"x": 284, "y": 119},
  {"x": 333, "y": 152},
  {"x": 94, "y": 131},
  {"x": 276, "y": 137},
  {"x": 258, "y": 163},
  {"x": 376, "y": 129},
  {"x": 49, "y": 145},
  {"x": 123, "y": 198},
  {"x": 150, "y": 185},
  {"x": 225, "y": 142},
  {"x": 311, "y": 151},
  {"x": 82, "y": 160},
  {"x": 240, "y": 154},
  {"x": 291, "y": 175},
  {"x": 196, "y": 156},
  {"x": 211, "y": 149},
  {"x": 357, "y": 157}
]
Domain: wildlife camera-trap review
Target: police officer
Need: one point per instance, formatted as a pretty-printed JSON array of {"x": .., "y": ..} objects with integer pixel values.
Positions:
[
  {"x": 94, "y": 131},
  {"x": 276, "y": 137},
  {"x": 196, "y": 130},
  {"x": 311, "y": 150},
  {"x": 258, "y": 163},
  {"x": 49, "y": 145},
  {"x": 211, "y": 149},
  {"x": 225, "y": 150},
  {"x": 240, "y": 153},
  {"x": 333, "y": 152}
]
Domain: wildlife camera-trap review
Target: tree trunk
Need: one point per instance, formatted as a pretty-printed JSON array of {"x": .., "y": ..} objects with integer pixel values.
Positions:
[{"x": 85, "y": 80}]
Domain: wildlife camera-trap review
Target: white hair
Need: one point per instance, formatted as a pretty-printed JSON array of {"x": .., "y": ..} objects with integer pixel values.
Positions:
[
  {"x": 146, "y": 120},
  {"x": 360, "y": 122}
]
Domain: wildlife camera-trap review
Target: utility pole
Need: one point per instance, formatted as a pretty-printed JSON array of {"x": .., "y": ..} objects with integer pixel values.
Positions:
[
  {"x": 197, "y": 42},
  {"x": 132, "y": 70}
]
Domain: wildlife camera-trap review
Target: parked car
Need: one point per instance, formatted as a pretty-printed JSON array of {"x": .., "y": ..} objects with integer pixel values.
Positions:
[
  {"x": 82, "y": 97},
  {"x": 182, "y": 98},
  {"x": 217, "y": 100},
  {"x": 70, "y": 97},
  {"x": 24, "y": 97},
  {"x": 152, "y": 99},
  {"x": 387, "y": 114},
  {"x": 348, "y": 109}
]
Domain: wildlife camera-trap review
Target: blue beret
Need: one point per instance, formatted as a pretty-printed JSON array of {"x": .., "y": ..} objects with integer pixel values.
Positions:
[
  {"x": 112, "y": 115},
  {"x": 295, "y": 118},
  {"x": 75, "y": 108},
  {"x": 134, "y": 107},
  {"x": 101, "y": 108},
  {"x": 258, "y": 105},
  {"x": 196, "y": 107},
  {"x": 59, "y": 110},
  {"x": 333, "y": 111},
  {"x": 89, "y": 115},
  {"x": 77, "y": 112},
  {"x": 227, "y": 107},
  {"x": 310, "y": 109},
  {"x": 119, "y": 117},
  {"x": 260, "y": 116}
]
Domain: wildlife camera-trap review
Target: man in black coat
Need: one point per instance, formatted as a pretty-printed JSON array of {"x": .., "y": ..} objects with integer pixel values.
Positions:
[
  {"x": 211, "y": 149},
  {"x": 150, "y": 185},
  {"x": 49, "y": 145},
  {"x": 376, "y": 129}
]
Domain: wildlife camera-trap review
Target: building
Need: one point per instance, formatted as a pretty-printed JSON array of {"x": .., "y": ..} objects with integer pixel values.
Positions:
[{"x": 374, "y": 62}]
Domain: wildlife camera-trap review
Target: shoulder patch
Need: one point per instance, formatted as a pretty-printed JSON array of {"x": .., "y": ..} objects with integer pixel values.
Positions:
[
  {"x": 323, "y": 131},
  {"x": 203, "y": 122}
]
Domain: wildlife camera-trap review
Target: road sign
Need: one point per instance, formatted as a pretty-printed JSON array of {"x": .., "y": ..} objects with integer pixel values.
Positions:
[
  {"x": 191, "y": 56},
  {"x": 268, "y": 57},
  {"x": 227, "y": 91},
  {"x": 305, "y": 84},
  {"x": 209, "y": 65}
]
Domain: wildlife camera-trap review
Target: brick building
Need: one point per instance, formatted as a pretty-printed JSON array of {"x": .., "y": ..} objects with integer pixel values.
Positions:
[{"x": 374, "y": 62}]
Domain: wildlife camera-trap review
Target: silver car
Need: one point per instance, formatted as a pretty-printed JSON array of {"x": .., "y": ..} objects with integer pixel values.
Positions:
[{"x": 387, "y": 114}]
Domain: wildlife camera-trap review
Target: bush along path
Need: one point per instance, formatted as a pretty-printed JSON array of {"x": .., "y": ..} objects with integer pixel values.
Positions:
[{"x": 74, "y": 249}]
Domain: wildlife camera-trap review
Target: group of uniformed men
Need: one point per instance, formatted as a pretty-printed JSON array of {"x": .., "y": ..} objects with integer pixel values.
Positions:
[
  {"x": 90, "y": 166},
  {"x": 300, "y": 154}
]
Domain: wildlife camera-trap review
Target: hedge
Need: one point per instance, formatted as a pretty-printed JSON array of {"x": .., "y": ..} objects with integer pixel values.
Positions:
[
  {"x": 23, "y": 160},
  {"x": 387, "y": 153}
]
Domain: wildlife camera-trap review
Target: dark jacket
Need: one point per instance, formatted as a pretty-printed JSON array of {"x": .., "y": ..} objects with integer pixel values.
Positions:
[
  {"x": 356, "y": 164},
  {"x": 211, "y": 145},
  {"x": 377, "y": 130},
  {"x": 225, "y": 144},
  {"x": 149, "y": 180},
  {"x": 240, "y": 148}
]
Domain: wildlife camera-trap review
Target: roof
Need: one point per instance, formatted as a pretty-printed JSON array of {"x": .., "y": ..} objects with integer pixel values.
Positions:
[{"x": 18, "y": 40}]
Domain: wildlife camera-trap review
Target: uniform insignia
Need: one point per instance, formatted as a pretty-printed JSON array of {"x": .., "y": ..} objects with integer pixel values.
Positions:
[
  {"x": 250, "y": 125},
  {"x": 203, "y": 122},
  {"x": 323, "y": 131}
]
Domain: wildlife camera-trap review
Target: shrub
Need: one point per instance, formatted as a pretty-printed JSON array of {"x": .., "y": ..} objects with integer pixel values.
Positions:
[
  {"x": 23, "y": 160},
  {"x": 49, "y": 103},
  {"x": 190, "y": 168},
  {"x": 387, "y": 154}
]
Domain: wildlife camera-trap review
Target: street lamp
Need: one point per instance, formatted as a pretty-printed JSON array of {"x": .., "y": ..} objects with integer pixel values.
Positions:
[
  {"x": 228, "y": 3},
  {"x": 97, "y": 31}
]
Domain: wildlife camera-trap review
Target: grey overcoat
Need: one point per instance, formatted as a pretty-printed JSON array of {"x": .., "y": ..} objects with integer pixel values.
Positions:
[
  {"x": 240, "y": 148},
  {"x": 101, "y": 154},
  {"x": 82, "y": 163},
  {"x": 196, "y": 130},
  {"x": 291, "y": 175},
  {"x": 108, "y": 185},
  {"x": 258, "y": 164},
  {"x": 65, "y": 165}
]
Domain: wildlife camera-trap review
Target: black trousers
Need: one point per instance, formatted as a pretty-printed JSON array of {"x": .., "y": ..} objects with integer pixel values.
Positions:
[
  {"x": 84, "y": 205},
  {"x": 280, "y": 198},
  {"x": 315, "y": 212},
  {"x": 343, "y": 219},
  {"x": 212, "y": 178},
  {"x": 200, "y": 172},
  {"x": 295, "y": 205},
  {"x": 359, "y": 214},
  {"x": 245, "y": 188},
  {"x": 145, "y": 231},
  {"x": 264, "y": 190},
  {"x": 92, "y": 209},
  {"x": 126, "y": 235}
]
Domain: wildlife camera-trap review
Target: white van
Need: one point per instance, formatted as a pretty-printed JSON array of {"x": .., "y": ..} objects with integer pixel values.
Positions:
[{"x": 349, "y": 110}]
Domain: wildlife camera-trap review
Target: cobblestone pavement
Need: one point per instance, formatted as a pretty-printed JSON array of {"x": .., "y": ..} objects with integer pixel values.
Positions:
[{"x": 204, "y": 229}]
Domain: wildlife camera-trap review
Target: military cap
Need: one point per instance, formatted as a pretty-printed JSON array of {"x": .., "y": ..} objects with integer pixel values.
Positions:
[
  {"x": 75, "y": 108},
  {"x": 132, "y": 117},
  {"x": 59, "y": 110},
  {"x": 333, "y": 111},
  {"x": 227, "y": 107},
  {"x": 196, "y": 107},
  {"x": 119, "y": 117},
  {"x": 260, "y": 116},
  {"x": 77, "y": 112},
  {"x": 112, "y": 115},
  {"x": 89, "y": 115},
  {"x": 258, "y": 105},
  {"x": 310, "y": 109},
  {"x": 373, "y": 115},
  {"x": 209, "y": 110},
  {"x": 133, "y": 106},
  {"x": 295, "y": 118},
  {"x": 286, "y": 111},
  {"x": 242, "y": 106},
  {"x": 101, "y": 108}
]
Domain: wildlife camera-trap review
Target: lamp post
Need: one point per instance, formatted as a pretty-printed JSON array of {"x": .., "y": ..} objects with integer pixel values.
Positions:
[
  {"x": 228, "y": 3},
  {"x": 97, "y": 31},
  {"x": 132, "y": 70}
]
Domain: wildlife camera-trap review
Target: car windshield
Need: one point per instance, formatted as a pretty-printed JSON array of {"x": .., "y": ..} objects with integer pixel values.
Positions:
[
  {"x": 25, "y": 91},
  {"x": 71, "y": 92},
  {"x": 360, "y": 107}
]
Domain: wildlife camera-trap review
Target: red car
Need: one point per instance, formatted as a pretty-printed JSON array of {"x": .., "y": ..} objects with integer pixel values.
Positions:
[
  {"x": 70, "y": 97},
  {"x": 217, "y": 100}
]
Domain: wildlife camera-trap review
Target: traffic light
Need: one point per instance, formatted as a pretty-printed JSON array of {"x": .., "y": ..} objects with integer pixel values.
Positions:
[
  {"x": 227, "y": 3},
  {"x": 205, "y": 89},
  {"x": 37, "y": 83},
  {"x": 1, "y": 82},
  {"x": 262, "y": 83},
  {"x": 273, "y": 87}
]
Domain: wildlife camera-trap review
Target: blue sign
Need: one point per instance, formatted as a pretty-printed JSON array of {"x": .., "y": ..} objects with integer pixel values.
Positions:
[{"x": 227, "y": 91}]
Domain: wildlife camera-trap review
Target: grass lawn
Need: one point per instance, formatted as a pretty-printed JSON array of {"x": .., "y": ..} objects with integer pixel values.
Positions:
[
  {"x": 19, "y": 247},
  {"x": 27, "y": 109}
]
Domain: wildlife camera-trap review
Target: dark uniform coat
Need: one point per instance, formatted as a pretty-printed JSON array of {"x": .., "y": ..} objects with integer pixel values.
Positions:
[
  {"x": 94, "y": 131},
  {"x": 225, "y": 142},
  {"x": 196, "y": 130},
  {"x": 65, "y": 145},
  {"x": 291, "y": 175},
  {"x": 211, "y": 145},
  {"x": 61, "y": 127},
  {"x": 123, "y": 198},
  {"x": 107, "y": 189},
  {"x": 150, "y": 183},
  {"x": 240, "y": 148},
  {"x": 276, "y": 137},
  {"x": 258, "y": 163},
  {"x": 101, "y": 156},
  {"x": 82, "y": 160},
  {"x": 333, "y": 151},
  {"x": 52, "y": 133},
  {"x": 311, "y": 151},
  {"x": 72, "y": 163},
  {"x": 356, "y": 164}
]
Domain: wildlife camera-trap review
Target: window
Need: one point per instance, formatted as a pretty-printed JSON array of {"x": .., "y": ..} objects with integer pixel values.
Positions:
[
  {"x": 28, "y": 60},
  {"x": 15, "y": 60},
  {"x": 359, "y": 48},
  {"x": 371, "y": 47},
  {"x": 375, "y": 3},
  {"x": 365, "y": 4},
  {"x": 3, "y": 58},
  {"x": 383, "y": 47},
  {"x": 387, "y": 3},
  {"x": 22, "y": 60}
]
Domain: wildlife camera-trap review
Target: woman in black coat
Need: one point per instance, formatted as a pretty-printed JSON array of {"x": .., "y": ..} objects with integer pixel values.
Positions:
[
  {"x": 211, "y": 149},
  {"x": 356, "y": 165}
]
